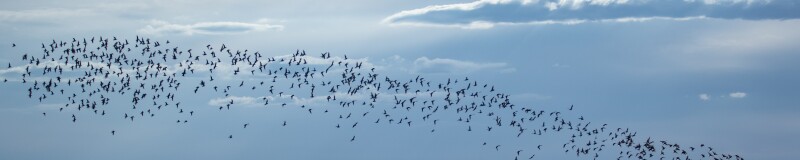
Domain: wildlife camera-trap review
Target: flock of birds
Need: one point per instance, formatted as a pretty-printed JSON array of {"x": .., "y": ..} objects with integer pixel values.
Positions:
[{"x": 88, "y": 73}]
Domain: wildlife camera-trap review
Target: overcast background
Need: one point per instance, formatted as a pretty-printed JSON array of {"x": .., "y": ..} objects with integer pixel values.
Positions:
[{"x": 723, "y": 73}]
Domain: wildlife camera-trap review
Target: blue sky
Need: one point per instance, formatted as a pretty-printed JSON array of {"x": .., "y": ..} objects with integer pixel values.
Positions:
[{"x": 716, "y": 72}]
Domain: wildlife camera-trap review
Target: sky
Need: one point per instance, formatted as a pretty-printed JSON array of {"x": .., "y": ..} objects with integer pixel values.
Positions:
[{"x": 716, "y": 72}]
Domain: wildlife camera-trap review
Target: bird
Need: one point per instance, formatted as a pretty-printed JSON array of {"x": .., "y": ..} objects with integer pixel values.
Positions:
[{"x": 113, "y": 132}]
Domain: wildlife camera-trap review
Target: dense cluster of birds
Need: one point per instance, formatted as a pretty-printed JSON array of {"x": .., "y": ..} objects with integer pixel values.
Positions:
[{"x": 89, "y": 72}]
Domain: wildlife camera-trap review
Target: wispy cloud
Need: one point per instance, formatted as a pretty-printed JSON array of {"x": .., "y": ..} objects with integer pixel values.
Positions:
[
  {"x": 93, "y": 12},
  {"x": 443, "y": 65},
  {"x": 484, "y": 14},
  {"x": 734, "y": 95},
  {"x": 235, "y": 100},
  {"x": 704, "y": 97},
  {"x": 737, "y": 95},
  {"x": 14, "y": 69},
  {"x": 249, "y": 101},
  {"x": 559, "y": 65},
  {"x": 157, "y": 27},
  {"x": 41, "y": 14},
  {"x": 49, "y": 106}
]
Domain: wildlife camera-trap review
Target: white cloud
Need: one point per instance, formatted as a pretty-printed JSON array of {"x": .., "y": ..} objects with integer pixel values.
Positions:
[
  {"x": 704, "y": 97},
  {"x": 158, "y": 27},
  {"x": 737, "y": 95},
  {"x": 248, "y": 101},
  {"x": 443, "y": 65},
  {"x": 243, "y": 101},
  {"x": 483, "y": 14},
  {"x": 14, "y": 69}
]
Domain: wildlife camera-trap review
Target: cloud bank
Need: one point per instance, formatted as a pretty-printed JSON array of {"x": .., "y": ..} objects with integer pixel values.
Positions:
[
  {"x": 484, "y": 14},
  {"x": 157, "y": 27}
]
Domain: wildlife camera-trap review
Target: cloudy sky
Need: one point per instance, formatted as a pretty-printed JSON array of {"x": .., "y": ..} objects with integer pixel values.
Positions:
[{"x": 718, "y": 72}]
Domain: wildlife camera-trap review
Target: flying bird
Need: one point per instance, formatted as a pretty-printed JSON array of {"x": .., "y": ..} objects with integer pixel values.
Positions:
[{"x": 148, "y": 76}]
